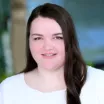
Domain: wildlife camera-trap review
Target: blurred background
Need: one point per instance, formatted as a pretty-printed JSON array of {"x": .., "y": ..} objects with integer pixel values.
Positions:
[{"x": 88, "y": 16}]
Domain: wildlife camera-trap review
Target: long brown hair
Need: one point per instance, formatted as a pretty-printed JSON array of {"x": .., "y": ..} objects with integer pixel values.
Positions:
[{"x": 75, "y": 67}]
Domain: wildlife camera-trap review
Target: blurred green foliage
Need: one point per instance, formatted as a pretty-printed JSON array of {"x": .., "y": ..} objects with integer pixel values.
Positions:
[
  {"x": 4, "y": 16},
  {"x": 4, "y": 76},
  {"x": 90, "y": 64}
]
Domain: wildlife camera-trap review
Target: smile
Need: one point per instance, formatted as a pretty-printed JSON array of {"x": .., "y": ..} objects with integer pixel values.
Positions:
[{"x": 48, "y": 55}]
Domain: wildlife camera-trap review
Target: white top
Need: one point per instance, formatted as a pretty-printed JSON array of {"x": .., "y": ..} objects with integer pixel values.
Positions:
[{"x": 14, "y": 90}]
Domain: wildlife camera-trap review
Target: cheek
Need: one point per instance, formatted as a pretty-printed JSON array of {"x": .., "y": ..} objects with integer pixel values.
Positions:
[
  {"x": 61, "y": 48},
  {"x": 61, "y": 51},
  {"x": 34, "y": 48}
]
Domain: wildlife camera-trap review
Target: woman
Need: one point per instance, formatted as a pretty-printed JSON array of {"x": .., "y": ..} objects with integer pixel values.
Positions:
[{"x": 55, "y": 72}]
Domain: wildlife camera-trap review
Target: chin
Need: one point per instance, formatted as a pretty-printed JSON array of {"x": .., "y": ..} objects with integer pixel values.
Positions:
[{"x": 51, "y": 68}]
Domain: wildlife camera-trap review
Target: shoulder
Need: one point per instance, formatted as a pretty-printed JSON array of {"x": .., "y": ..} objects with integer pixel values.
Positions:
[
  {"x": 95, "y": 82},
  {"x": 95, "y": 75},
  {"x": 11, "y": 82},
  {"x": 10, "y": 89},
  {"x": 92, "y": 90}
]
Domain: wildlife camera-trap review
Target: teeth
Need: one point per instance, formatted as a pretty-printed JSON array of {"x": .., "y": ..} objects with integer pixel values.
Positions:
[{"x": 48, "y": 54}]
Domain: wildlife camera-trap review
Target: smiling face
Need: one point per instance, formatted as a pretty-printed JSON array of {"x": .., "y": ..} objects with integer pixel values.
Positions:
[{"x": 46, "y": 43}]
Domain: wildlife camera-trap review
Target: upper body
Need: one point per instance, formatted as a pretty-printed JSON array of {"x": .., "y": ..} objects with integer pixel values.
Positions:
[
  {"x": 14, "y": 90},
  {"x": 53, "y": 63}
]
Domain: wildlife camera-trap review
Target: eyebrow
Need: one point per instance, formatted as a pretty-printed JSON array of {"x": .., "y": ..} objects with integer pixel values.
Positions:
[{"x": 36, "y": 34}]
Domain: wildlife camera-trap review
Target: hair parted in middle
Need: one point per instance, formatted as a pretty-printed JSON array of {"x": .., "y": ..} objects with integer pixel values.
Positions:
[{"x": 74, "y": 68}]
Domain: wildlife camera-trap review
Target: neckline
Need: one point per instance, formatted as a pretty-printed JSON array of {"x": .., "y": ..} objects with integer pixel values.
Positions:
[{"x": 33, "y": 89}]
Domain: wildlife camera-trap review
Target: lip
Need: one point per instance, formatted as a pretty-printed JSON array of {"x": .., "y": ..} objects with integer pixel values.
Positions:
[{"x": 49, "y": 57}]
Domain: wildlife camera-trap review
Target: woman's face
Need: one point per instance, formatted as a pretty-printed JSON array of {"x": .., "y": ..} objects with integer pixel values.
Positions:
[{"x": 46, "y": 43}]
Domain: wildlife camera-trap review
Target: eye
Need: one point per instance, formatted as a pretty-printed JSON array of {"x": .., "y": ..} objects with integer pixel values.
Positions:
[
  {"x": 37, "y": 38},
  {"x": 58, "y": 37}
]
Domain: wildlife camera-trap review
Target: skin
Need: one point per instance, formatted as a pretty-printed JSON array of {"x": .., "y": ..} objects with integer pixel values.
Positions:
[{"x": 47, "y": 48}]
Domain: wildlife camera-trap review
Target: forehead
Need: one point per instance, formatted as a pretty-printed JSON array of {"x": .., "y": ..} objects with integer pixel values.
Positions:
[{"x": 43, "y": 25}]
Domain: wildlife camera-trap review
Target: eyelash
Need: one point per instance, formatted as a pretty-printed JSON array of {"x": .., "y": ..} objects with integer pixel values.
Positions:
[
  {"x": 58, "y": 37},
  {"x": 39, "y": 38}
]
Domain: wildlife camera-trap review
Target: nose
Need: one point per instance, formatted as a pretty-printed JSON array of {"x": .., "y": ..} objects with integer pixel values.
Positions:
[{"x": 48, "y": 44}]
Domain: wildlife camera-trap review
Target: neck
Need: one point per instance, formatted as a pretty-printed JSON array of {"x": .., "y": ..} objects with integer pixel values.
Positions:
[
  {"x": 55, "y": 78},
  {"x": 50, "y": 74}
]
